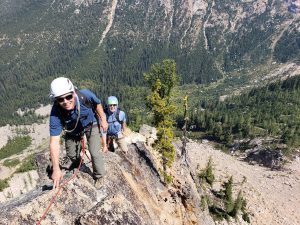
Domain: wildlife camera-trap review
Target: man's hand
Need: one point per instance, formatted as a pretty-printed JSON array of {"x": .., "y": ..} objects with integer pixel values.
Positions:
[
  {"x": 56, "y": 177},
  {"x": 54, "y": 155},
  {"x": 105, "y": 149},
  {"x": 104, "y": 125}
]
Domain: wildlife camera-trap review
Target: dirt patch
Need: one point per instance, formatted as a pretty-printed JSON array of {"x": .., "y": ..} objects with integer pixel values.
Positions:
[{"x": 273, "y": 197}]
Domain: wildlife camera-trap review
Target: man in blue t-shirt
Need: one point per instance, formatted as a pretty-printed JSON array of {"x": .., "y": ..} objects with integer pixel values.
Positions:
[
  {"x": 77, "y": 113},
  {"x": 116, "y": 125}
]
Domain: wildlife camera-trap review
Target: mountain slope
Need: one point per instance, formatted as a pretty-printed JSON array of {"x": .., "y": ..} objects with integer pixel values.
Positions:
[{"x": 107, "y": 45}]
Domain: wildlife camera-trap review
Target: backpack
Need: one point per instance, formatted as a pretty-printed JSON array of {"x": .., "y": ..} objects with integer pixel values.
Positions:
[
  {"x": 84, "y": 100},
  {"x": 106, "y": 111}
]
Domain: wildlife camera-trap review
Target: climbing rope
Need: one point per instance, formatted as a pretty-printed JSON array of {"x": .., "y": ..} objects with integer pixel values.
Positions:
[{"x": 62, "y": 185}]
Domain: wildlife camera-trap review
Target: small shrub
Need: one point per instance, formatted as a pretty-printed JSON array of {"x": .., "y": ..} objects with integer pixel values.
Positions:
[
  {"x": 217, "y": 212},
  {"x": 237, "y": 205},
  {"x": 246, "y": 217},
  {"x": 27, "y": 165},
  {"x": 207, "y": 174},
  {"x": 203, "y": 202},
  {"x": 225, "y": 206},
  {"x": 11, "y": 162},
  {"x": 228, "y": 200},
  {"x": 4, "y": 184},
  {"x": 167, "y": 177},
  {"x": 15, "y": 146}
]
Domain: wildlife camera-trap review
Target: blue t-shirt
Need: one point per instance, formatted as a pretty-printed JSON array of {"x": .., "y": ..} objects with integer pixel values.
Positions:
[
  {"x": 114, "y": 127},
  {"x": 60, "y": 118}
]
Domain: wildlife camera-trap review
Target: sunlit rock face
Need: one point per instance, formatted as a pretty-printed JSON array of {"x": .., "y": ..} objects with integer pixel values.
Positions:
[{"x": 132, "y": 193}]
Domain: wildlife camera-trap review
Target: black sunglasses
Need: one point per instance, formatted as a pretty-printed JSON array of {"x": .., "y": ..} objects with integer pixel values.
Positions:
[
  {"x": 61, "y": 99},
  {"x": 113, "y": 105}
]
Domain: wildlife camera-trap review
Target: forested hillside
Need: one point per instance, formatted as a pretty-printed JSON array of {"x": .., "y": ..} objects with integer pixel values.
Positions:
[
  {"x": 271, "y": 111},
  {"x": 106, "y": 46}
]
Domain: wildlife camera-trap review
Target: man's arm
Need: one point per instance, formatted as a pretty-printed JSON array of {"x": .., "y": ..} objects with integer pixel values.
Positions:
[
  {"x": 124, "y": 127},
  {"x": 102, "y": 116},
  {"x": 54, "y": 155},
  {"x": 104, "y": 142},
  {"x": 123, "y": 122}
]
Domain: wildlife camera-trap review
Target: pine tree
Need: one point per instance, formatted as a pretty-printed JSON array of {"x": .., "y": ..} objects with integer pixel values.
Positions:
[
  {"x": 161, "y": 79},
  {"x": 228, "y": 199}
]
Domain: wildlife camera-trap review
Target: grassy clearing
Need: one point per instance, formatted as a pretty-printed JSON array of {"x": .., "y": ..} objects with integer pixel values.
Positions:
[
  {"x": 27, "y": 164},
  {"x": 15, "y": 146},
  {"x": 11, "y": 162}
]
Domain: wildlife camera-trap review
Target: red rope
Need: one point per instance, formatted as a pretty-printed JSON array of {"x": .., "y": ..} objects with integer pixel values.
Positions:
[{"x": 62, "y": 185}]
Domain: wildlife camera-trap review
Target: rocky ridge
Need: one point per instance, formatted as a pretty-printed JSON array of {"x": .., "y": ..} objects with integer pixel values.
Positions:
[{"x": 132, "y": 193}]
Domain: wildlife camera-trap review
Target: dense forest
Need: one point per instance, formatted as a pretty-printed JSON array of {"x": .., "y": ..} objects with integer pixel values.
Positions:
[
  {"x": 41, "y": 40},
  {"x": 288, "y": 46},
  {"x": 52, "y": 48},
  {"x": 271, "y": 111}
]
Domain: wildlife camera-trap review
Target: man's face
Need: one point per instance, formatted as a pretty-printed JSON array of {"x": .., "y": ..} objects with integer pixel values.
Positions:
[
  {"x": 113, "y": 107},
  {"x": 66, "y": 101}
]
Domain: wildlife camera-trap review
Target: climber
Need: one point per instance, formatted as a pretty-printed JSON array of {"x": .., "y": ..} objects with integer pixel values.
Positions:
[
  {"x": 116, "y": 125},
  {"x": 75, "y": 113}
]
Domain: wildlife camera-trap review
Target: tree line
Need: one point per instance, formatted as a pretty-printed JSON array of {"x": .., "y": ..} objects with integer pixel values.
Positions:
[{"x": 269, "y": 111}]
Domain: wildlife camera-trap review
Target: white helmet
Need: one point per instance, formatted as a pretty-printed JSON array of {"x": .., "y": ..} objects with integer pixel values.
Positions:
[{"x": 60, "y": 86}]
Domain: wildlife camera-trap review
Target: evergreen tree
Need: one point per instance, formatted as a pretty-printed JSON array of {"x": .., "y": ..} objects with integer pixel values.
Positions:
[
  {"x": 228, "y": 199},
  {"x": 161, "y": 79}
]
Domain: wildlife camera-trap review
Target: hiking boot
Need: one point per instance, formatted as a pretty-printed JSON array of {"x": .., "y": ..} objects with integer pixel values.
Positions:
[
  {"x": 84, "y": 168},
  {"x": 98, "y": 183},
  {"x": 68, "y": 164}
]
